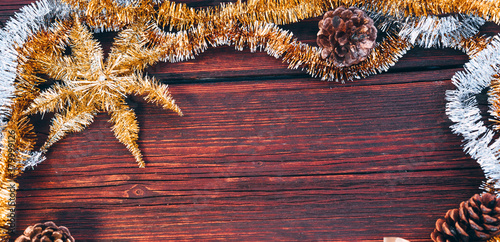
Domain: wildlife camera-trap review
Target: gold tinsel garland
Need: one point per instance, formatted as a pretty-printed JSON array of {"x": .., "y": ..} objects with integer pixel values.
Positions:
[{"x": 89, "y": 85}]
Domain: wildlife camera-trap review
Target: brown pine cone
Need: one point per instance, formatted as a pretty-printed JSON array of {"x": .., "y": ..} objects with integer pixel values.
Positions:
[
  {"x": 347, "y": 36},
  {"x": 477, "y": 219},
  {"x": 46, "y": 232}
]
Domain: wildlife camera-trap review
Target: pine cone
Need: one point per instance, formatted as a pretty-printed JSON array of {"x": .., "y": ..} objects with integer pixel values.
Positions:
[
  {"x": 347, "y": 36},
  {"x": 46, "y": 232},
  {"x": 477, "y": 219}
]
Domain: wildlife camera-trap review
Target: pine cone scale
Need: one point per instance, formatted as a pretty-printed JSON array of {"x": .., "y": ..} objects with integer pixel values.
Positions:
[
  {"x": 463, "y": 212},
  {"x": 335, "y": 12},
  {"x": 324, "y": 41},
  {"x": 493, "y": 228},
  {"x": 485, "y": 210},
  {"x": 489, "y": 219},
  {"x": 482, "y": 236},
  {"x": 334, "y": 22},
  {"x": 472, "y": 211},
  {"x": 439, "y": 224},
  {"x": 450, "y": 231},
  {"x": 475, "y": 226},
  {"x": 462, "y": 231}
]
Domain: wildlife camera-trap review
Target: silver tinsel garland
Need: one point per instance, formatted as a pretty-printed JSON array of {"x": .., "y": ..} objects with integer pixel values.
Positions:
[
  {"x": 445, "y": 32},
  {"x": 28, "y": 21},
  {"x": 462, "y": 108}
]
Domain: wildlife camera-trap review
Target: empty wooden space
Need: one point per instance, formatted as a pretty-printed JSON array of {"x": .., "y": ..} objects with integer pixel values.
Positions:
[{"x": 263, "y": 153}]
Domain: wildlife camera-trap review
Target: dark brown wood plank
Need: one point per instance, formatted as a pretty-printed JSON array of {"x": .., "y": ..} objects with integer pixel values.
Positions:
[{"x": 264, "y": 153}]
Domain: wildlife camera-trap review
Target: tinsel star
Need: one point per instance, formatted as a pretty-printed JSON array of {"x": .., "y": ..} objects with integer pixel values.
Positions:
[{"x": 87, "y": 85}]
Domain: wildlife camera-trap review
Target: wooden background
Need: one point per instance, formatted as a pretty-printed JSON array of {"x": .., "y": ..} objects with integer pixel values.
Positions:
[{"x": 263, "y": 153}]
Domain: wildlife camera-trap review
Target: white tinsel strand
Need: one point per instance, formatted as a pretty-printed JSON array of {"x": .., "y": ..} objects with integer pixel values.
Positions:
[
  {"x": 34, "y": 159},
  {"x": 432, "y": 31},
  {"x": 28, "y": 21},
  {"x": 126, "y": 3},
  {"x": 462, "y": 108},
  {"x": 386, "y": 23}
]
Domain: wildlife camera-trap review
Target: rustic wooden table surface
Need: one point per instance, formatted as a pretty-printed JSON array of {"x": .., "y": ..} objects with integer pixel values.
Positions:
[{"x": 263, "y": 153}]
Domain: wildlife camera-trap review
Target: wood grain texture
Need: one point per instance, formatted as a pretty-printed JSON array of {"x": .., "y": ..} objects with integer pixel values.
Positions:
[{"x": 264, "y": 153}]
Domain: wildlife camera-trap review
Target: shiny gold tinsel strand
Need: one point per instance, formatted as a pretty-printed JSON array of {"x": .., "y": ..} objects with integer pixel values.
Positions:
[
  {"x": 494, "y": 94},
  {"x": 108, "y": 15},
  {"x": 180, "y": 17},
  {"x": 473, "y": 45},
  {"x": 17, "y": 140}
]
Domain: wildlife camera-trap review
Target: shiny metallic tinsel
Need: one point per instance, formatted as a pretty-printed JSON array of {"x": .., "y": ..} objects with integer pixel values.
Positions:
[
  {"x": 27, "y": 22},
  {"x": 34, "y": 159},
  {"x": 432, "y": 31},
  {"x": 462, "y": 108}
]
